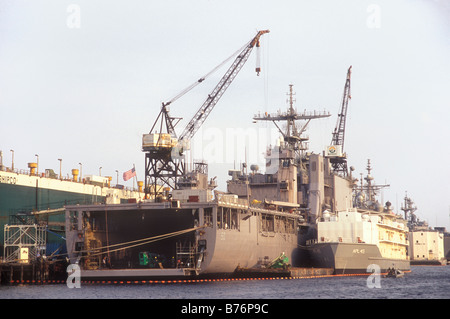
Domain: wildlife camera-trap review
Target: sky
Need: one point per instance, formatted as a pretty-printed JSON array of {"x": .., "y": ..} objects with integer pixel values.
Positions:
[{"x": 82, "y": 81}]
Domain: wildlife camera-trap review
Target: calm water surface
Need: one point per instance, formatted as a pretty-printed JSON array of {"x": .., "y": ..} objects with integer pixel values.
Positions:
[{"x": 424, "y": 282}]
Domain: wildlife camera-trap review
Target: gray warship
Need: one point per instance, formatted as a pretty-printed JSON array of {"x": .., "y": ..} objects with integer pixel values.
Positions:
[
  {"x": 348, "y": 229},
  {"x": 360, "y": 238}
]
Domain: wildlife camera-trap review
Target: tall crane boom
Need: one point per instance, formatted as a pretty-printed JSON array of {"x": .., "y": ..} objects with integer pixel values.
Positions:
[
  {"x": 220, "y": 88},
  {"x": 339, "y": 131},
  {"x": 335, "y": 152},
  {"x": 164, "y": 158}
]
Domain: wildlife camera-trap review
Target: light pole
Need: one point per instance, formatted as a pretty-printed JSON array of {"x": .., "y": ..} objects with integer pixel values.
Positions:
[
  {"x": 12, "y": 161},
  {"x": 117, "y": 172},
  {"x": 81, "y": 172},
  {"x": 37, "y": 167},
  {"x": 60, "y": 164},
  {"x": 100, "y": 171}
]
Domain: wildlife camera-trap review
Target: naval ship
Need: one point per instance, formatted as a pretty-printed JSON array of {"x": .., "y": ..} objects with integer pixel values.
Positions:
[
  {"x": 349, "y": 230},
  {"x": 354, "y": 239}
]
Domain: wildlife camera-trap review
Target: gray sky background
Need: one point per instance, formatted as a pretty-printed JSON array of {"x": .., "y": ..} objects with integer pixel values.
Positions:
[{"x": 83, "y": 80}]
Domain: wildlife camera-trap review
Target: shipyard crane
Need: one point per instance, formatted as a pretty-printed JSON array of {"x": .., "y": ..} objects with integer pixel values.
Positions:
[
  {"x": 335, "y": 152},
  {"x": 164, "y": 152}
]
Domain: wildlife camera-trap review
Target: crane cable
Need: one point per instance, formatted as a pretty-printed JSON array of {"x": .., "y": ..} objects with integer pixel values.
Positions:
[{"x": 193, "y": 85}]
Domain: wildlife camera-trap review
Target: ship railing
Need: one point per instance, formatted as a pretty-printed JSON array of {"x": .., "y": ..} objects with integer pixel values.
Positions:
[
  {"x": 393, "y": 242},
  {"x": 65, "y": 178},
  {"x": 280, "y": 113},
  {"x": 394, "y": 226},
  {"x": 229, "y": 200},
  {"x": 51, "y": 207},
  {"x": 15, "y": 170}
]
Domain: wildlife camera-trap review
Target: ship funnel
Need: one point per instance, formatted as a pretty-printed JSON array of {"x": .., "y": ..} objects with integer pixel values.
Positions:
[
  {"x": 140, "y": 184},
  {"x": 75, "y": 173},
  {"x": 32, "y": 167}
]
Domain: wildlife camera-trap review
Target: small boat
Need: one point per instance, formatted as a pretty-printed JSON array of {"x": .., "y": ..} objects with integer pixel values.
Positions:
[{"x": 394, "y": 273}]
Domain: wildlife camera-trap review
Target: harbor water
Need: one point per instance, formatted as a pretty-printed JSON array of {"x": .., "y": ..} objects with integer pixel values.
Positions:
[{"x": 423, "y": 282}]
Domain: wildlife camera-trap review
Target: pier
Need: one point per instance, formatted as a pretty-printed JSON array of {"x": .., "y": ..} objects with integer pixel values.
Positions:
[
  {"x": 44, "y": 272},
  {"x": 37, "y": 270},
  {"x": 294, "y": 272}
]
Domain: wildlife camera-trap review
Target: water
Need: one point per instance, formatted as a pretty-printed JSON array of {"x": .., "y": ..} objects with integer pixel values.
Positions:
[{"x": 423, "y": 282}]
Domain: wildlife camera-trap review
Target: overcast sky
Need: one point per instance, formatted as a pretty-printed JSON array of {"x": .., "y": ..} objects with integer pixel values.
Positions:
[{"x": 83, "y": 80}]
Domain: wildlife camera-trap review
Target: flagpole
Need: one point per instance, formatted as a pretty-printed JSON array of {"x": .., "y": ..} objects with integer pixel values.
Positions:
[{"x": 134, "y": 177}]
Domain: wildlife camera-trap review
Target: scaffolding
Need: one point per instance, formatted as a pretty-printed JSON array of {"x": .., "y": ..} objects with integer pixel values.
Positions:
[
  {"x": 24, "y": 243},
  {"x": 185, "y": 255}
]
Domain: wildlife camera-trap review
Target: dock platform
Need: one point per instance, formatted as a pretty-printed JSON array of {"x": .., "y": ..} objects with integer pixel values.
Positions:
[
  {"x": 38, "y": 271},
  {"x": 295, "y": 272},
  {"x": 42, "y": 273}
]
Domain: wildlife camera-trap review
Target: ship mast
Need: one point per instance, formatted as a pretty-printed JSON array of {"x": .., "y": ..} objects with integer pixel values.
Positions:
[
  {"x": 366, "y": 196},
  {"x": 290, "y": 155},
  {"x": 292, "y": 135},
  {"x": 409, "y": 208}
]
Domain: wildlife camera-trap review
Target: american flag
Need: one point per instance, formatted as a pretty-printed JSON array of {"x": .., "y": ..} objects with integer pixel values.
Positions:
[{"x": 129, "y": 174}]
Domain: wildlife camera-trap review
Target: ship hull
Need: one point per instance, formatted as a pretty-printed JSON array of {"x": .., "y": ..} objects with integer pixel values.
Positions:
[
  {"x": 25, "y": 193},
  {"x": 247, "y": 249},
  {"x": 351, "y": 258},
  {"x": 207, "y": 242},
  {"x": 18, "y": 199}
]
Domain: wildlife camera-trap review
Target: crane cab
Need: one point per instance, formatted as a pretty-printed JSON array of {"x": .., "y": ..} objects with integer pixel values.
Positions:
[{"x": 155, "y": 141}]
